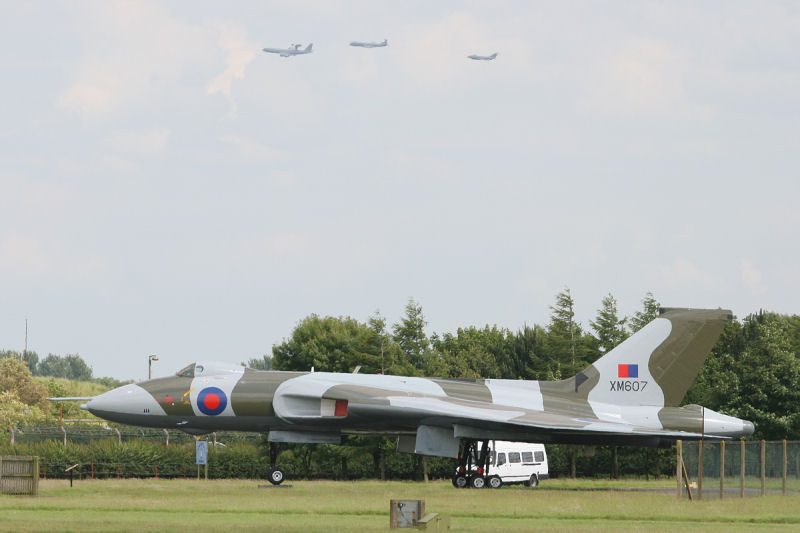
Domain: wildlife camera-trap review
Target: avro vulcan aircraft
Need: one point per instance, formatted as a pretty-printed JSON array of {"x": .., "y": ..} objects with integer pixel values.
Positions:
[
  {"x": 369, "y": 45},
  {"x": 483, "y": 58},
  {"x": 294, "y": 50},
  {"x": 630, "y": 396}
]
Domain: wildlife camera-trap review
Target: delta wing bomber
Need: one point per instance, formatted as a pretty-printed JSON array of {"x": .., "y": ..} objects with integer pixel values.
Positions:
[{"x": 630, "y": 396}]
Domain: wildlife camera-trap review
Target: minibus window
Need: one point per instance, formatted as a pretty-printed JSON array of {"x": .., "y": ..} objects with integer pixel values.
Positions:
[{"x": 527, "y": 457}]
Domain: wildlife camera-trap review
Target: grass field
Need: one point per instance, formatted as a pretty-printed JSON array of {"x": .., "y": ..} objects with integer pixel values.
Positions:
[{"x": 239, "y": 505}]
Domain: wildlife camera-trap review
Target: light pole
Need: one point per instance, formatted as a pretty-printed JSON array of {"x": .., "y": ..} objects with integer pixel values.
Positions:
[{"x": 150, "y": 359}]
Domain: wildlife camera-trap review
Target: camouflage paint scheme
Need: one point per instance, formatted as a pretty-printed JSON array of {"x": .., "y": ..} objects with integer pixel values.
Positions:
[{"x": 630, "y": 396}]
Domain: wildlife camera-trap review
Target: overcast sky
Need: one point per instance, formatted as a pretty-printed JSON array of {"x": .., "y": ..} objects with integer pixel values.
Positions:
[{"x": 167, "y": 188}]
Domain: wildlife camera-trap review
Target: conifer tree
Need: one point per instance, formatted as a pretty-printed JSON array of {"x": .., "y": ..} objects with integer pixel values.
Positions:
[
  {"x": 650, "y": 309},
  {"x": 609, "y": 327}
]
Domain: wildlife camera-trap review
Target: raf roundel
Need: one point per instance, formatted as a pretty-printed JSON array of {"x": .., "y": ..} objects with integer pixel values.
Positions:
[{"x": 212, "y": 401}]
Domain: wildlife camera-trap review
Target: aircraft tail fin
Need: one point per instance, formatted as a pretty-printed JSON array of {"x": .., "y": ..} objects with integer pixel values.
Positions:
[
  {"x": 654, "y": 366},
  {"x": 493, "y": 55},
  {"x": 308, "y": 48}
]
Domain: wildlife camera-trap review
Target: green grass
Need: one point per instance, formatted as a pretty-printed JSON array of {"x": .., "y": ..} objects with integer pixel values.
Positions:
[{"x": 239, "y": 505}]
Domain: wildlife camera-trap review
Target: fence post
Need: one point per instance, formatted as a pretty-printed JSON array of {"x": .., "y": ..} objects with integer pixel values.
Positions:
[
  {"x": 45, "y": 471},
  {"x": 12, "y": 434},
  {"x": 784, "y": 467},
  {"x": 700, "y": 470},
  {"x": 741, "y": 471},
  {"x": 679, "y": 469},
  {"x": 167, "y": 434},
  {"x": 763, "y": 467},
  {"x": 92, "y": 468},
  {"x": 721, "y": 469},
  {"x": 119, "y": 437},
  {"x": 36, "y": 475},
  {"x": 65, "y": 435}
]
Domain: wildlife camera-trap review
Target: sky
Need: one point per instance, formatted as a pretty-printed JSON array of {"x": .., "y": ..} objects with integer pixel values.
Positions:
[{"x": 168, "y": 188}]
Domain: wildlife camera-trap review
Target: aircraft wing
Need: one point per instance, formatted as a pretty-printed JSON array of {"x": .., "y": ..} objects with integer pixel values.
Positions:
[
  {"x": 387, "y": 403},
  {"x": 447, "y": 411},
  {"x": 71, "y": 399}
]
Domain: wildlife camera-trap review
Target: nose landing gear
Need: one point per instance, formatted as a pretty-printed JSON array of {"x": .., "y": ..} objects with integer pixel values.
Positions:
[{"x": 274, "y": 474}]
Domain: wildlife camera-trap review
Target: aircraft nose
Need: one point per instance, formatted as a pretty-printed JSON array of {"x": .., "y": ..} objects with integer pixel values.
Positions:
[
  {"x": 120, "y": 403},
  {"x": 747, "y": 427}
]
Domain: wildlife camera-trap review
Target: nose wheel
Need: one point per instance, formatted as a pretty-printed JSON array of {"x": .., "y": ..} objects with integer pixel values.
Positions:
[{"x": 274, "y": 474}]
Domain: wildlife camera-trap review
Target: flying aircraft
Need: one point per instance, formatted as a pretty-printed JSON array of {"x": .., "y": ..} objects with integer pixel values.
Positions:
[
  {"x": 369, "y": 45},
  {"x": 483, "y": 58},
  {"x": 629, "y": 396},
  {"x": 293, "y": 50}
]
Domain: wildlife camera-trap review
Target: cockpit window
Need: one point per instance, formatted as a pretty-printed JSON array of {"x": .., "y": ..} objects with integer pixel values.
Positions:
[
  {"x": 188, "y": 372},
  {"x": 198, "y": 369}
]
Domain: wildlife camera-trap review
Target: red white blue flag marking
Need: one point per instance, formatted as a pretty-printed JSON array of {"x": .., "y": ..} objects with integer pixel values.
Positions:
[
  {"x": 628, "y": 371},
  {"x": 212, "y": 401}
]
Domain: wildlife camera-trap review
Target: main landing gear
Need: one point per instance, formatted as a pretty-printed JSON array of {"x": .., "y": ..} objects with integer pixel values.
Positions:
[
  {"x": 274, "y": 474},
  {"x": 473, "y": 467}
]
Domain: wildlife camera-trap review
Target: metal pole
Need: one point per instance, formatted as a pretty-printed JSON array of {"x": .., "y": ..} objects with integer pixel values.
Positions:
[
  {"x": 784, "y": 467},
  {"x": 741, "y": 471},
  {"x": 679, "y": 469},
  {"x": 150, "y": 359},
  {"x": 721, "y": 469},
  {"x": 700, "y": 470},
  {"x": 763, "y": 467}
]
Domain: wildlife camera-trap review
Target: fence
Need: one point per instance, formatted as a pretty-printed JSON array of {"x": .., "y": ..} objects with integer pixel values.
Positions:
[
  {"x": 119, "y": 470},
  {"x": 85, "y": 433},
  {"x": 739, "y": 468},
  {"x": 19, "y": 474}
]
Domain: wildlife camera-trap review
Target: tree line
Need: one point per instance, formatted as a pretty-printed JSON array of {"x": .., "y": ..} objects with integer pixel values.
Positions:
[
  {"x": 70, "y": 366},
  {"x": 753, "y": 371}
]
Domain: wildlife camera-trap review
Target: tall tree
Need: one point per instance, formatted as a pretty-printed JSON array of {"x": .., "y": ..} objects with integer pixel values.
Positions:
[
  {"x": 377, "y": 323},
  {"x": 609, "y": 327},
  {"x": 327, "y": 344},
  {"x": 650, "y": 308},
  {"x": 410, "y": 335},
  {"x": 530, "y": 352},
  {"x": 562, "y": 322},
  {"x": 473, "y": 352},
  {"x": 568, "y": 348}
]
